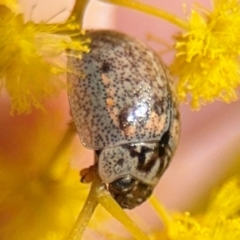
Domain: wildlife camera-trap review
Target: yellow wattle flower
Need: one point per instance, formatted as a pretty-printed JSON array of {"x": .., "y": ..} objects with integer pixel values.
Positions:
[
  {"x": 207, "y": 61},
  {"x": 219, "y": 221},
  {"x": 11, "y": 4},
  {"x": 25, "y": 72}
]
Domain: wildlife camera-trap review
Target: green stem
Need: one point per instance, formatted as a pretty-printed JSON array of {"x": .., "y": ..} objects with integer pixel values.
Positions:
[
  {"x": 150, "y": 10},
  {"x": 158, "y": 207},
  {"x": 98, "y": 194},
  {"x": 86, "y": 213},
  {"x": 73, "y": 25},
  {"x": 106, "y": 200},
  {"x": 78, "y": 11}
]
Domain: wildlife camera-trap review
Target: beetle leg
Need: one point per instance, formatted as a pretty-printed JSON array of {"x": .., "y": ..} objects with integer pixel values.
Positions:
[{"x": 87, "y": 174}]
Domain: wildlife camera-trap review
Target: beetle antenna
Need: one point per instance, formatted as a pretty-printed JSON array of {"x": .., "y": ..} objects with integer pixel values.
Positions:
[
  {"x": 32, "y": 10},
  {"x": 49, "y": 19},
  {"x": 55, "y": 15}
]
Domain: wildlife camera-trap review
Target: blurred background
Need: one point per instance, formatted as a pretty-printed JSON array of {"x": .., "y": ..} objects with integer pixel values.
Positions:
[{"x": 208, "y": 151}]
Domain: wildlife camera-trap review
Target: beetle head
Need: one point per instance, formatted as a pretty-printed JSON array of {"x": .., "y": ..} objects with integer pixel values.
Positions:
[
  {"x": 131, "y": 171},
  {"x": 129, "y": 192}
]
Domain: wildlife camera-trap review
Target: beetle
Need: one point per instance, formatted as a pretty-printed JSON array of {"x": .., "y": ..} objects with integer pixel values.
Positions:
[{"x": 125, "y": 109}]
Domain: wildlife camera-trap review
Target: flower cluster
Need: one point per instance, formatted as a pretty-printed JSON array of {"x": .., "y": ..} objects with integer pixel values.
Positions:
[
  {"x": 220, "y": 221},
  {"x": 27, "y": 74},
  {"x": 207, "y": 55}
]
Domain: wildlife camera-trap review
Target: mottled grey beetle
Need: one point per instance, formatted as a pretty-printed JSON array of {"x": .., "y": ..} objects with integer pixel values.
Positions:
[{"x": 124, "y": 108}]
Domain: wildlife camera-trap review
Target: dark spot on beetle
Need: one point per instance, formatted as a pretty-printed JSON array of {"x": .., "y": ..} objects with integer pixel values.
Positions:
[
  {"x": 163, "y": 78},
  {"x": 151, "y": 162},
  {"x": 105, "y": 67},
  {"x": 163, "y": 143},
  {"x": 165, "y": 138},
  {"x": 141, "y": 156},
  {"x": 120, "y": 162},
  {"x": 98, "y": 152},
  {"x": 177, "y": 116},
  {"x": 158, "y": 105},
  {"x": 122, "y": 118}
]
